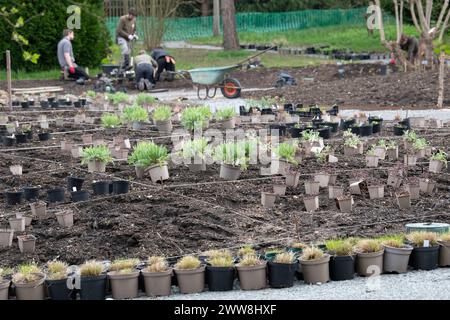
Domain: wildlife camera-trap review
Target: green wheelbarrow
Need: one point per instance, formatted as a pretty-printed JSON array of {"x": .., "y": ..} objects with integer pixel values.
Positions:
[{"x": 208, "y": 80}]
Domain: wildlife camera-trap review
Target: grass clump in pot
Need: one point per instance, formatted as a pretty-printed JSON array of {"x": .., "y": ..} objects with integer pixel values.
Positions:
[
  {"x": 250, "y": 260},
  {"x": 235, "y": 153},
  {"x": 123, "y": 264},
  {"x": 110, "y": 121},
  {"x": 197, "y": 148},
  {"x": 287, "y": 151},
  {"x": 57, "y": 270},
  {"x": 193, "y": 118},
  {"x": 157, "y": 264},
  {"x": 27, "y": 273},
  {"x": 188, "y": 263},
  {"x": 225, "y": 114},
  {"x": 246, "y": 250},
  {"x": 310, "y": 136},
  {"x": 148, "y": 153},
  {"x": 312, "y": 253},
  {"x": 340, "y": 247},
  {"x": 417, "y": 238},
  {"x": 99, "y": 153},
  {"x": 135, "y": 113},
  {"x": 144, "y": 98},
  {"x": 297, "y": 245},
  {"x": 285, "y": 258},
  {"x": 162, "y": 113},
  {"x": 118, "y": 97},
  {"x": 91, "y": 268},
  {"x": 222, "y": 261},
  {"x": 368, "y": 246},
  {"x": 445, "y": 237},
  {"x": 410, "y": 136}
]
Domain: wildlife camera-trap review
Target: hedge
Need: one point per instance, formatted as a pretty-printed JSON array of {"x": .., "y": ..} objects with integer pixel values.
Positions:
[{"x": 90, "y": 45}]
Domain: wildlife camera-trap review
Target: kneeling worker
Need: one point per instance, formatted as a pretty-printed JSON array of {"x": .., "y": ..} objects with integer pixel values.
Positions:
[
  {"x": 145, "y": 68},
  {"x": 66, "y": 58},
  {"x": 165, "y": 62}
]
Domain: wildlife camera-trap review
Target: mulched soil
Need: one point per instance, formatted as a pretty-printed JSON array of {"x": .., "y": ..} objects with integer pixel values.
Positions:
[
  {"x": 363, "y": 86},
  {"x": 193, "y": 212}
]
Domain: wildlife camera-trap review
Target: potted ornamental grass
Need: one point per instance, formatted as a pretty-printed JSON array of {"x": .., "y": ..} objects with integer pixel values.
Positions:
[
  {"x": 29, "y": 282},
  {"x": 194, "y": 118},
  {"x": 311, "y": 139},
  {"x": 220, "y": 272},
  {"x": 110, "y": 122},
  {"x": 190, "y": 275},
  {"x": 369, "y": 257},
  {"x": 93, "y": 281},
  {"x": 123, "y": 276},
  {"x": 4, "y": 283},
  {"x": 56, "y": 281},
  {"x": 233, "y": 157},
  {"x": 145, "y": 100},
  {"x": 148, "y": 156},
  {"x": 444, "y": 251},
  {"x": 425, "y": 255},
  {"x": 118, "y": 98},
  {"x": 96, "y": 158},
  {"x": 245, "y": 250},
  {"x": 342, "y": 260},
  {"x": 162, "y": 117},
  {"x": 226, "y": 117},
  {"x": 195, "y": 153},
  {"x": 252, "y": 271},
  {"x": 157, "y": 277},
  {"x": 282, "y": 270},
  {"x": 396, "y": 254},
  {"x": 315, "y": 266},
  {"x": 136, "y": 115},
  {"x": 285, "y": 153},
  {"x": 438, "y": 162}
]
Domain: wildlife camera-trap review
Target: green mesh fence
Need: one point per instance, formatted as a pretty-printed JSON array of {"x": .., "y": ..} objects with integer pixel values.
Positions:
[{"x": 188, "y": 28}]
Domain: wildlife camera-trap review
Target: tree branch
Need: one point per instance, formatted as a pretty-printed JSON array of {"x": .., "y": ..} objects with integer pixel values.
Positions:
[
  {"x": 442, "y": 14},
  {"x": 413, "y": 15}
]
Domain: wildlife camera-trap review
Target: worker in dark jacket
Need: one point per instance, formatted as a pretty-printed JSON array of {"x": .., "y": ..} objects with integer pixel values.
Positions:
[
  {"x": 165, "y": 62},
  {"x": 410, "y": 45},
  {"x": 125, "y": 34}
]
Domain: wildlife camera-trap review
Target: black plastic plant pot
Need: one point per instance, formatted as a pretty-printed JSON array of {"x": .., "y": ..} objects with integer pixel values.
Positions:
[
  {"x": 68, "y": 103},
  {"x": 83, "y": 101},
  {"x": 55, "y": 104},
  {"x": 347, "y": 124},
  {"x": 29, "y": 135},
  {"x": 45, "y": 104},
  {"x": 21, "y": 138},
  {"x": 9, "y": 141},
  {"x": 31, "y": 193},
  {"x": 16, "y": 103},
  {"x": 355, "y": 130},
  {"x": 13, "y": 197},
  {"x": 44, "y": 136},
  {"x": 121, "y": 187},
  {"x": 295, "y": 132},
  {"x": 62, "y": 102},
  {"x": 281, "y": 275},
  {"x": 79, "y": 196},
  {"x": 375, "y": 119},
  {"x": 366, "y": 130},
  {"x": 57, "y": 290},
  {"x": 55, "y": 195},
  {"x": 315, "y": 111},
  {"x": 407, "y": 123},
  {"x": 220, "y": 279},
  {"x": 242, "y": 111},
  {"x": 424, "y": 258},
  {"x": 51, "y": 99},
  {"x": 316, "y": 123},
  {"x": 31, "y": 103},
  {"x": 399, "y": 130},
  {"x": 377, "y": 127},
  {"x": 333, "y": 125},
  {"x": 74, "y": 182},
  {"x": 93, "y": 288},
  {"x": 288, "y": 107},
  {"x": 101, "y": 187},
  {"x": 25, "y": 104},
  {"x": 266, "y": 112},
  {"x": 342, "y": 268},
  {"x": 77, "y": 104},
  {"x": 325, "y": 133}
]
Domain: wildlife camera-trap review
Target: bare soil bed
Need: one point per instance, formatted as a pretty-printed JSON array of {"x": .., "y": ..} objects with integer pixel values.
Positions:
[{"x": 193, "y": 212}]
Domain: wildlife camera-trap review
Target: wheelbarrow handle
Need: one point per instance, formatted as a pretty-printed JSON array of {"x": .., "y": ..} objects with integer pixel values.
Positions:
[{"x": 254, "y": 56}]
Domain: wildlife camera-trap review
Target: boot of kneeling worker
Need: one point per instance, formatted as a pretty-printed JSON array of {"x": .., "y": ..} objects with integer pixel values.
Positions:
[{"x": 145, "y": 68}]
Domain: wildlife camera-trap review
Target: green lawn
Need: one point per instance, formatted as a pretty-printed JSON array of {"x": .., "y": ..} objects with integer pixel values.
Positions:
[{"x": 354, "y": 38}]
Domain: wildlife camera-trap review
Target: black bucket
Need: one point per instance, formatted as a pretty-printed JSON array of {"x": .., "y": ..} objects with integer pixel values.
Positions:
[
  {"x": 44, "y": 136},
  {"x": 325, "y": 133},
  {"x": 295, "y": 132},
  {"x": 366, "y": 130},
  {"x": 21, "y": 138},
  {"x": 55, "y": 104},
  {"x": 13, "y": 197},
  {"x": 425, "y": 258},
  {"x": 55, "y": 195},
  {"x": 377, "y": 126},
  {"x": 399, "y": 130},
  {"x": 347, "y": 124},
  {"x": 9, "y": 141},
  {"x": 77, "y": 104},
  {"x": 31, "y": 193},
  {"x": 342, "y": 268},
  {"x": 281, "y": 275},
  {"x": 79, "y": 196},
  {"x": 74, "y": 182},
  {"x": 45, "y": 104},
  {"x": 220, "y": 279},
  {"x": 121, "y": 187},
  {"x": 101, "y": 187},
  {"x": 58, "y": 290},
  {"x": 93, "y": 288},
  {"x": 25, "y": 104}
]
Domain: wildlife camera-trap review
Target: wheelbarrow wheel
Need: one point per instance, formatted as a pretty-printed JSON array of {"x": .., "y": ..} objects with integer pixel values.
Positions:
[{"x": 231, "y": 88}]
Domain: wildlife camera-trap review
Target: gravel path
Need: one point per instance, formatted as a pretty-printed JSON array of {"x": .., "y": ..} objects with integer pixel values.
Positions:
[{"x": 416, "y": 285}]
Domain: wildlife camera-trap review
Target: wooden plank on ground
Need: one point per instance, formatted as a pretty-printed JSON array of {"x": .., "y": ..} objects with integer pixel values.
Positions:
[{"x": 36, "y": 90}]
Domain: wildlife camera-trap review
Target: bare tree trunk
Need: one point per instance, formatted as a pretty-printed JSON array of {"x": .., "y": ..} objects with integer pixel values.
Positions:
[
  {"x": 205, "y": 8},
  {"x": 216, "y": 18},
  {"x": 230, "y": 36},
  {"x": 440, "y": 103}
]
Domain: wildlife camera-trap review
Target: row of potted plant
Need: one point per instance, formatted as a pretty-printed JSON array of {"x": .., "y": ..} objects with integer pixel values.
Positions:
[{"x": 336, "y": 260}]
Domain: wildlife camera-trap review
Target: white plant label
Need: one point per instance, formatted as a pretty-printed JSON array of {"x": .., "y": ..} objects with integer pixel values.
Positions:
[
  {"x": 426, "y": 243},
  {"x": 74, "y": 189}
]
